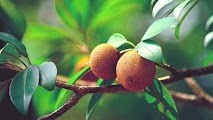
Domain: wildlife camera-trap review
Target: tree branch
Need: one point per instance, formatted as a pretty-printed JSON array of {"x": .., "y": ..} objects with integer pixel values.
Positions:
[
  {"x": 176, "y": 75},
  {"x": 184, "y": 73},
  {"x": 72, "y": 102},
  {"x": 193, "y": 99}
]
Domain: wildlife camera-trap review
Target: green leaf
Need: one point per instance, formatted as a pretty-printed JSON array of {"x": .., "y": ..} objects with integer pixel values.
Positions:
[
  {"x": 177, "y": 11},
  {"x": 160, "y": 101},
  {"x": 208, "y": 41},
  {"x": 22, "y": 88},
  {"x": 108, "y": 11},
  {"x": 13, "y": 18},
  {"x": 85, "y": 12},
  {"x": 63, "y": 93},
  {"x": 47, "y": 74},
  {"x": 96, "y": 98},
  {"x": 159, "y": 26},
  {"x": 153, "y": 2},
  {"x": 159, "y": 5},
  {"x": 209, "y": 23},
  {"x": 3, "y": 89},
  {"x": 119, "y": 41},
  {"x": 8, "y": 52},
  {"x": 150, "y": 50},
  {"x": 177, "y": 29},
  {"x": 9, "y": 49},
  {"x": 208, "y": 60},
  {"x": 12, "y": 40},
  {"x": 45, "y": 32},
  {"x": 65, "y": 11}
]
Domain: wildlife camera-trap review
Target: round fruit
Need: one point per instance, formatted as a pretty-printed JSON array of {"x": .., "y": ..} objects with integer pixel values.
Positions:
[
  {"x": 103, "y": 60},
  {"x": 135, "y": 72}
]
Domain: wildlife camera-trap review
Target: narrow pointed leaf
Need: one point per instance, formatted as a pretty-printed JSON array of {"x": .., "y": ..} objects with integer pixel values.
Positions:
[
  {"x": 208, "y": 60},
  {"x": 8, "y": 52},
  {"x": 208, "y": 41},
  {"x": 3, "y": 89},
  {"x": 177, "y": 11},
  {"x": 150, "y": 50},
  {"x": 22, "y": 88},
  {"x": 96, "y": 98},
  {"x": 13, "y": 18},
  {"x": 209, "y": 23},
  {"x": 45, "y": 32},
  {"x": 160, "y": 101},
  {"x": 48, "y": 72},
  {"x": 177, "y": 29},
  {"x": 153, "y": 2},
  {"x": 67, "y": 17},
  {"x": 12, "y": 40},
  {"x": 119, "y": 41},
  {"x": 160, "y": 26},
  {"x": 159, "y": 5},
  {"x": 85, "y": 13}
]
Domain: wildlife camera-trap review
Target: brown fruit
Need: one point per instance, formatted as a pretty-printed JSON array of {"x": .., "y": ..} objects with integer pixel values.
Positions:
[
  {"x": 103, "y": 60},
  {"x": 135, "y": 72}
]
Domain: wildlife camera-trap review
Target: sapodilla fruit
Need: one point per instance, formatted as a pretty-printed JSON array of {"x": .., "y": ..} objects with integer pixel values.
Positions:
[
  {"x": 103, "y": 60},
  {"x": 135, "y": 72}
]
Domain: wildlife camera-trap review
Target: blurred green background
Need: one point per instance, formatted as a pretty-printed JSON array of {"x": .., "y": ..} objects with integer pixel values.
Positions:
[{"x": 57, "y": 33}]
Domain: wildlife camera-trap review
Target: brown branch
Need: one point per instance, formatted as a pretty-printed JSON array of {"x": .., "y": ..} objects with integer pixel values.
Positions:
[
  {"x": 72, "y": 102},
  {"x": 189, "y": 98},
  {"x": 184, "y": 73},
  {"x": 198, "y": 90},
  {"x": 179, "y": 74},
  {"x": 86, "y": 89},
  {"x": 168, "y": 68}
]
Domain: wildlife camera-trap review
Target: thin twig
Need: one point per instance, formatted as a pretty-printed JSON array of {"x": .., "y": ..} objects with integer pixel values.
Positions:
[
  {"x": 72, "y": 102},
  {"x": 198, "y": 90},
  {"x": 193, "y": 99},
  {"x": 184, "y": 73},
  {"x": 168, "y": 68}
]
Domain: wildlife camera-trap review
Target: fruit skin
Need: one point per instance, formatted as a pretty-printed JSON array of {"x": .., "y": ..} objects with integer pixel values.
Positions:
[
  {"x": 103, "y": 60},
  {"x": 135, "y": 72}
]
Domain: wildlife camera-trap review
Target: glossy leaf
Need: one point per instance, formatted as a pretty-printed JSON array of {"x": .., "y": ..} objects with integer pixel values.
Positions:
[
  {"x": 119, "y": 41},
  {"x": 3, "y": 89},
  {"x": 159, "y": 5},
  {"x": 62, "y": 94},
  {"x": 12, "y": 40},
  {"x": 22, "y": 88},
  {"x": 160, "y": 102},
  {"x": 208, "y": 60},
  {"x": 177, "y": 11},
  {"x": 209, "y": 23},
  {"x": 48, "y": 72},
  {"x": 159, "y": 26},
  {"x": 153, "y": 2},
  {"x": 208, "y": 41},
  {"x": 177, "y": 30},
  {"x": 13, "y": 18},
  {"x": 150, "y": 50},
  {"x": 170, "y": 11},
  {"x": 96, "y": 98},
  {"x": 8, "y": 52}
]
